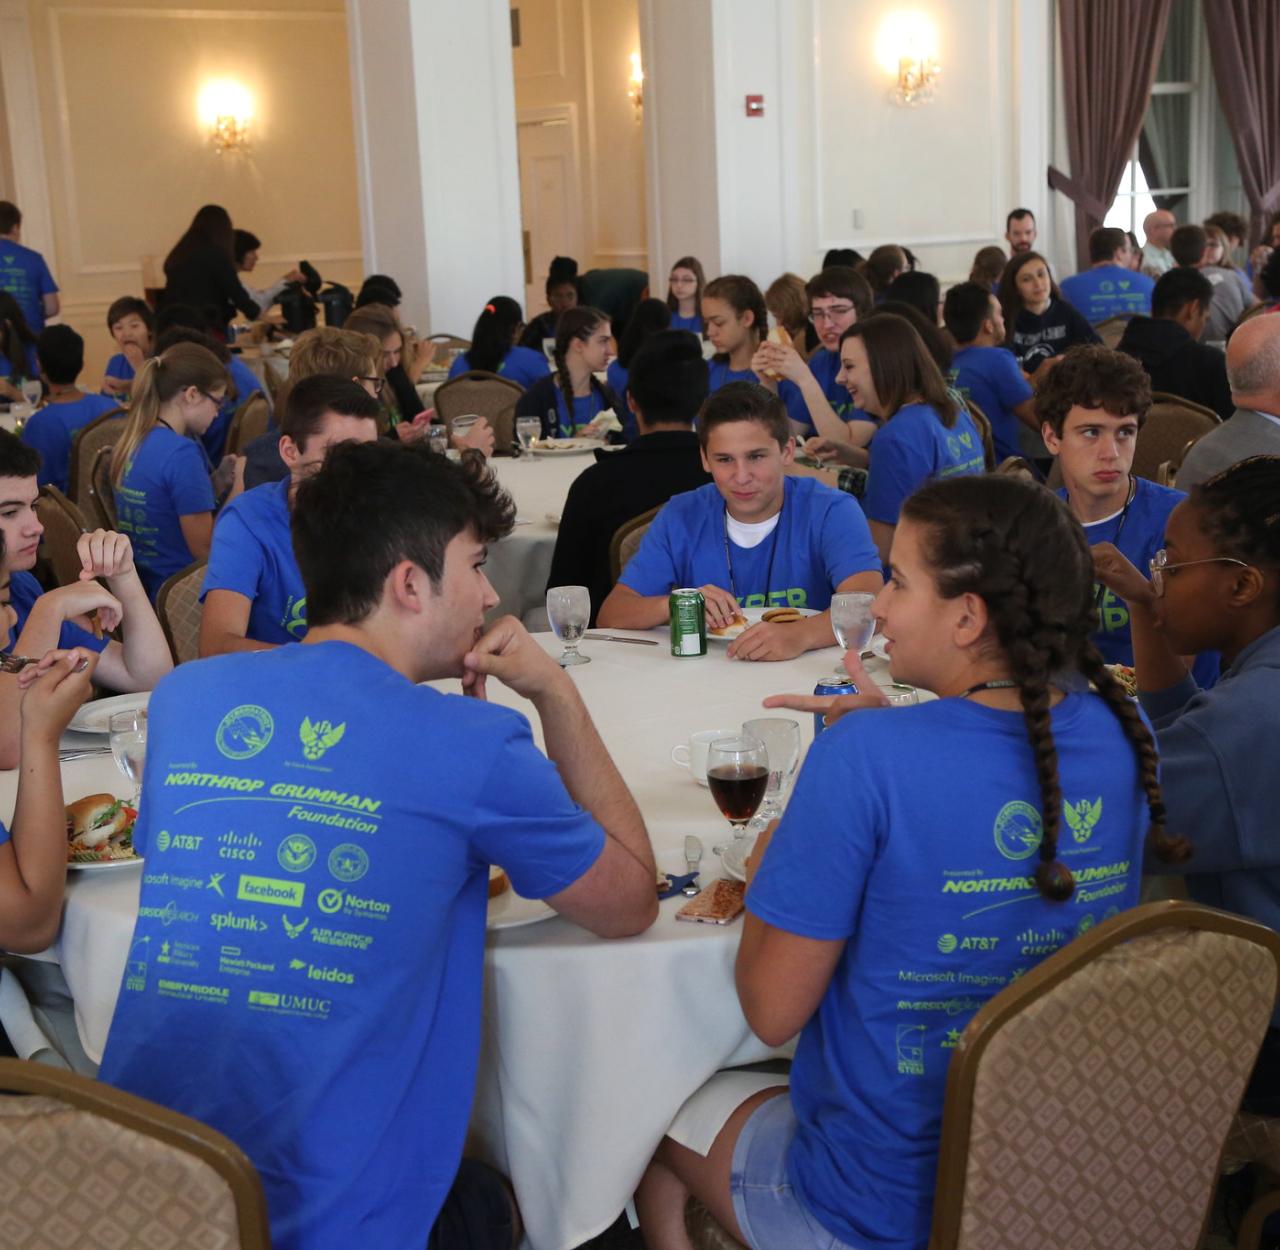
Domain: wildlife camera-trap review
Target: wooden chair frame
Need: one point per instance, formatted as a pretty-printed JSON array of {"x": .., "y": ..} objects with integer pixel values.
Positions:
[
  {"x": 1164, "y": 397},
  {"x": 180, "y": 1132},
  {"x": 627, "y": 527},
  {"x": 101, "y": 492},
  {"x": 52, "y": 496},
  {"x": 957, "y": 1112},
  {"x": 75, "y": 487}
]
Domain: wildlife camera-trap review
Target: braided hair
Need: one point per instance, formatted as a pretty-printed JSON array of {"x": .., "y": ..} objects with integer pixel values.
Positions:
[
  {"x": 1239, "y": 510},
  {"x": 1014, "y": 545},
  {"x": 575, "y": 323}
]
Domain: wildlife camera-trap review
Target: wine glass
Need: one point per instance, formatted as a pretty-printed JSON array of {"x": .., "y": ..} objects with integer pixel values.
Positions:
[
  {"x": 737, "y": 776},
  {"x": 853, "y": 622},
  {"x": 527, "y": 431},
  {"x": 463, "y": 425},
  {"x": 128, "y": 736},
  {"x": 569, "y": 610},
  {"x": 781, "y": 738},
  {"x": 32, "y": 392}
]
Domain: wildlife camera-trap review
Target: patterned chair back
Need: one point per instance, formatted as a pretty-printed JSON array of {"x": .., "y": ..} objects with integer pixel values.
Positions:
[
  {"x": 180, "y": 611},
  {"x": 1088, "y": 1103},
  {"x": 88, "y": 1165},
  {"x": 103, "y": 431}
]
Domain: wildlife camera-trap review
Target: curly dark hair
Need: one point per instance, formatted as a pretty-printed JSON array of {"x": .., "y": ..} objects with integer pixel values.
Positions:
[
  {"x": 1093, "y": 377},
  {"x": 1239, "y": 510},
  {"x": 1014, "y": 544}
]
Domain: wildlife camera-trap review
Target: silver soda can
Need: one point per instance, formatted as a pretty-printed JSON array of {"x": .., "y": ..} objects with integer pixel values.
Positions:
[
  {"x": 688, "y": 611},
  {"x": 831, "y": 685}
]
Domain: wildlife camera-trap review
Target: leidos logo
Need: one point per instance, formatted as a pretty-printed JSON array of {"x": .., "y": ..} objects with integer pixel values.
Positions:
[
  {"x": 319, "y": 737},
  {"x": 1082, "y": 817},
  {"x": 314, "y": 972},
  {"x": 271, "y": 890},
  {"x": 1018, "y": 830}
]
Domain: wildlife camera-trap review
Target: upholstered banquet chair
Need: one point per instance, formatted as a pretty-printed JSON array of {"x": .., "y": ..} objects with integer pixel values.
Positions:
[
  {"x": 484, "y": 395},
  {"x": 1111, "y": 330},
  {"x": 626, "y": 540},
  {"x": 103, "y": 431},
  {"x": 83, "y": 1166},
  {"x": 63, "y": 524},
  {"x": 102, "y": 496},
  {"x": 249, "y": 421},
  {"x": 1172, "y": 426},
  {"x": 180, "y": 611}
]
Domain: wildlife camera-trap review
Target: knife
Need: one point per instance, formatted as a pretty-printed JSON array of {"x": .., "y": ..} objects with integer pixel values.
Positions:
[
  {"x": 642, "y": 642},
  {"x": 692, "y": 858}
]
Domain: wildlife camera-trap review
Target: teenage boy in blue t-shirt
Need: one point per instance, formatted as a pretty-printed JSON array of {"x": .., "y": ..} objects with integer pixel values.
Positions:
[
  {"x": 1092, "y": 406},
  {"x": 337, "y": 1033},
  {"x": 1109, "y": 288},
  {"x": 24, "y": 273},
  {"x": 983, "y": 370},
  {"x": 754, "y": 537},
  {"x": 46, "y": 620},
  {"x": 253, "y": 593},
  {"x": 50, "y": 431}
]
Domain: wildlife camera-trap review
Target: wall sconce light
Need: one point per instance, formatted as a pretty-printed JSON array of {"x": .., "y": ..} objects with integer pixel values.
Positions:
[
  {"x": 635, "y": 85},
  {"x": 225, "y": 109},
  {"x": 907, "y": 48}
]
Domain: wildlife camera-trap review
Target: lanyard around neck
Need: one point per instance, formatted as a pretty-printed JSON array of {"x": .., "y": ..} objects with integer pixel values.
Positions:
[{"x": 773, "y": 551}]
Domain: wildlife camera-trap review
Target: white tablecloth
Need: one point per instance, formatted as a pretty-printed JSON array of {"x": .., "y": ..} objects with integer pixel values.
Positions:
[
  {"x": 589, "y": 1047},
  {"x": 521, "y": 563}
]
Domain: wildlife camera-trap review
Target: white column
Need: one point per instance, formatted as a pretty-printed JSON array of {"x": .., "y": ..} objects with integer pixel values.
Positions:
[
  {"x": 26, "y": 135},
  {"x": 1033, "y": 117},
  {"x": 434, "y": 108}
]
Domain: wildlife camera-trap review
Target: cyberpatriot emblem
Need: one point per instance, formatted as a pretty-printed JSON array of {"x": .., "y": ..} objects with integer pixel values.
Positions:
[
  {"x": 1082, "y": 817},
  {"x": 318, "y": 738}
]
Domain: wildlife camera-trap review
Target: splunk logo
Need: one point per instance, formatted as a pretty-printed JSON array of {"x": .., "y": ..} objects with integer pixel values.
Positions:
[{"x": 271, "y": 890}]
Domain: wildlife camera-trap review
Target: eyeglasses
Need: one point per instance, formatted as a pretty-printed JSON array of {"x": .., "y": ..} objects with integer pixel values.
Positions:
[
  {"x": 1160, "y": 565},
  {"x": 830, "y": 314},
  {"x": 213, "y": 399},
  {"x": 375, "y": 382}
]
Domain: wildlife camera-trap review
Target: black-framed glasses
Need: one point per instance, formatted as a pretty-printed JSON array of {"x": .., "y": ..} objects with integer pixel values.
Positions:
[
  {"x": 1160, "y": 565},
  {"x": 375, "y": 382},
  {"x": 213, "y": 399},
  {"x": 833, "y": 313}
]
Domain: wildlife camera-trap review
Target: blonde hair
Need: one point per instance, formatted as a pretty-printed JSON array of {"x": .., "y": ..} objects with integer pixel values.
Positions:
[
  {"x": 327, "y": 349},
  {"x": 160, "y": 380}
]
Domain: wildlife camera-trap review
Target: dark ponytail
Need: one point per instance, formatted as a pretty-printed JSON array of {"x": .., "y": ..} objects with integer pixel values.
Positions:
[
  {"x": 1015, "y": 545},
  {"x": 494, "y": 333}
]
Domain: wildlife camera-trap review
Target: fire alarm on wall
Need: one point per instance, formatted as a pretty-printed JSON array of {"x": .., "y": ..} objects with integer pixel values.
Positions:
[{"x": 755, "y": 106}]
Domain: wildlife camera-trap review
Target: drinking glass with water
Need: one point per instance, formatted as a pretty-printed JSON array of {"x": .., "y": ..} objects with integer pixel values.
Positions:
[
  {"x": 128, "y": 737},
  {"x": 569, "y": 610}
]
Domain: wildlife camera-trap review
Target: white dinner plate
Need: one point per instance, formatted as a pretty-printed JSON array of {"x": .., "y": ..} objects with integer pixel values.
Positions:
[
  {"x": 107, "y": 865},
  {"x": 566, "y": 446},
  {"x": 752, "y": 616},
  {"x": 733, "y": 861},
  {"x": 510, "y": 911},
  {"x": 877, "y": 647},
  {"x": 95, "y": 717}
]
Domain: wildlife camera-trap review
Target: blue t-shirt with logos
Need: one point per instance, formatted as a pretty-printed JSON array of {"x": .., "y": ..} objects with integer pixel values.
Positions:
[
  {"x": 167, "y": 478},
  {"x": 119, "y": 367},
  {"x": 51, "y": 430},
  {"x": 246, "y": 383},
  {"x": 930, "y": 889},
  {"x": 24, "y": 590},
  {"x": 25, "y": 275},
  {"x": 1109, "y": 291},
  {"x": 252, "y": 554},
  {"x": 1138, "y": 532},
  {"x": 990, "y": 376},
  {"x": 521, "y": 364},
  {"x": 914, "y": 447},
  {"x": 719, "y": 374},
  {"x": 821, "y": 538},
  {"x": 306, "y": 970}
]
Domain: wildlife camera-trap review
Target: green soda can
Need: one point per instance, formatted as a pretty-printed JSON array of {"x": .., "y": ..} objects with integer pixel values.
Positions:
[{"x": 688, "y": 622}]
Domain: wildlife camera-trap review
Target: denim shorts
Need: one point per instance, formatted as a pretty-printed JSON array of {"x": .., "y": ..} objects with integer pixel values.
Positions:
[{"x": 768, "y": 1210}]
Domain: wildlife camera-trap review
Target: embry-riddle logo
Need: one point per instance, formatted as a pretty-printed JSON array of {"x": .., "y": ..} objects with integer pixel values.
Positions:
[
  {"x": 319, "y": 737},
  {"x": 1082, "y": 817}
]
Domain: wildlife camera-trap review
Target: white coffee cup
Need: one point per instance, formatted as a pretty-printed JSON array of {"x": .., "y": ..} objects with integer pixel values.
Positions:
[{"x": 694, "y": 752}]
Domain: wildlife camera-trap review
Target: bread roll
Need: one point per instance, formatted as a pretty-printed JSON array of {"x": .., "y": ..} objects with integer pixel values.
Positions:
[
  {"x": 498, "y": 882},
  {"x": 88, "y": 823}
]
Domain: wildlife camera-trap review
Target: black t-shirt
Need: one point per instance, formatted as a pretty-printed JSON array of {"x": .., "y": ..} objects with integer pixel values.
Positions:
[
  {"x": 1177, "y": 364},
  {"x": 1059, "y": 327},
  {"x": 619, "y": 486}
]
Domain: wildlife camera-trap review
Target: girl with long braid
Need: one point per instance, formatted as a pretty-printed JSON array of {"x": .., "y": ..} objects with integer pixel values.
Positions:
[
  {"x": 929, "y": 856},
  {"x": 1216, "y": 584},
  {"x": 573, "y": 397}
]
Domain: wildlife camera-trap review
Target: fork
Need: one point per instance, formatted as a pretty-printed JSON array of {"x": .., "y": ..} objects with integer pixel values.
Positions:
[{"x": 10, "y": 663}]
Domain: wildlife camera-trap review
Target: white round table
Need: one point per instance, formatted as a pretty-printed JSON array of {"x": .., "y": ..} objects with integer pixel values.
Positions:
[{"x": 589, "y": 1047}]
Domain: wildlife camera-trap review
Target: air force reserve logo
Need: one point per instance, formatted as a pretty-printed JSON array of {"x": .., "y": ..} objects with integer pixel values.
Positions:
[
  {"x": 1082, "y": 817},
  {"x": 317, "y": 738}
]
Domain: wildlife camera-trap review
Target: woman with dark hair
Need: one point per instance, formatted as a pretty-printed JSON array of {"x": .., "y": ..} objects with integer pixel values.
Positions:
[
  {"x": 919, "y": 289},
  {"x": 562, "y": 294},
  {"x": 988, "y": 265},
  {"x": 200, "y": 271},
  {"x": 684, "y": 294},
  {"x": 1216, "y": 586},
  {"x": 1039, "y": 324},
  {"x": 884, "y": 264},
  {"x": 863, "y": 932},
  {"x": 572, "y": 398},
  {"x": 17, "y": 348},
  {"x": 493, "y": 346},
  {"x": 650, "y": 317}
]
